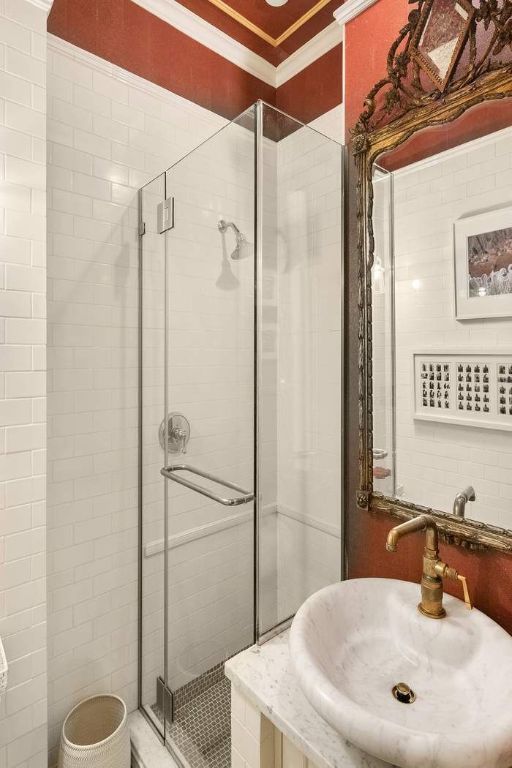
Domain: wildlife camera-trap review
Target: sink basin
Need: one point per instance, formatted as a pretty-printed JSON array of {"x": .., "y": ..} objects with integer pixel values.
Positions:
[{"x": 350, "y": 643}]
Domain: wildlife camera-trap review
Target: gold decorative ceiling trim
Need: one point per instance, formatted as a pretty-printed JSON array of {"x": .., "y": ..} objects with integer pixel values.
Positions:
[{"x": 273, "y": 41}]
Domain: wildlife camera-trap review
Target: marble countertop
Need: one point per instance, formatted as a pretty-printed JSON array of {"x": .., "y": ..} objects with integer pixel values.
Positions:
[{"x": 264, "y": 675}]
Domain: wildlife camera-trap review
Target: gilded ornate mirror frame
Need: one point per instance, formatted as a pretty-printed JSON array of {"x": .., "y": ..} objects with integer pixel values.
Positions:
[{"x": 398, "y": 106}]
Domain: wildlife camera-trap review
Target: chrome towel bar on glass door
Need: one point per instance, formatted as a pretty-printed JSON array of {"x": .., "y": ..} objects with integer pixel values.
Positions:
[{"x": 170, "y": 474}]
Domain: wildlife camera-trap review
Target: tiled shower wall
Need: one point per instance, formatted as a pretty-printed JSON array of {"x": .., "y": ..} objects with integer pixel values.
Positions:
[
  {"x": 108, "y": 134},
  {"x": 436, "y": 460},
  {"x": 23, "y": 381}
]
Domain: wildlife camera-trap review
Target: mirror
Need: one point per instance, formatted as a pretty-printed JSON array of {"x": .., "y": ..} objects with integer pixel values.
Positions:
[
  {"x": 433, "y": 152},
  {"x": 442, "y": 327}
]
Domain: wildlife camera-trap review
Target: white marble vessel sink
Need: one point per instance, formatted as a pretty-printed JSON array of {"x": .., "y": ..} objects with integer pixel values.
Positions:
[{"x": 350, "y": 643}]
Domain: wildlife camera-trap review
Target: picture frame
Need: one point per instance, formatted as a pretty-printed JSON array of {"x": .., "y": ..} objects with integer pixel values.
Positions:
[
  {"x": 483, "y": 265},
  {"x": 440, "y": 37}
]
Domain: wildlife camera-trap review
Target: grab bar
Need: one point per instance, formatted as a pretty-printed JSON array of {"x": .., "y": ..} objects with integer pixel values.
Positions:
[{"x": 169, "y": 473}]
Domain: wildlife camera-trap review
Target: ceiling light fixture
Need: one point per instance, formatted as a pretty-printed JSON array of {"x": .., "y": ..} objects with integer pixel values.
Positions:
[{"x": 276, "y": 3}]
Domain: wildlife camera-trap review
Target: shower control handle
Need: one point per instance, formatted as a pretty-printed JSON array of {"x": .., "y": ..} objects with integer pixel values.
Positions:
[
  {"x": 181, "y": 437},
  {"x": 178, "y": 433}
]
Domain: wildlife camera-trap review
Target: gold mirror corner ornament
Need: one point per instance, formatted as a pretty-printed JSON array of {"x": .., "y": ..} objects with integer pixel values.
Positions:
[
  {"x": 363, "y": 500},
  {"x": 440, "y": 36},
  {"x": 397, "y": 107}
]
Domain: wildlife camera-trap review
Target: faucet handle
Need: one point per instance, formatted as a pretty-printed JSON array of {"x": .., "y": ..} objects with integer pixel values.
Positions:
[
  {"x": 446, "y": 572},
  {"x": 465, "y": 589}
]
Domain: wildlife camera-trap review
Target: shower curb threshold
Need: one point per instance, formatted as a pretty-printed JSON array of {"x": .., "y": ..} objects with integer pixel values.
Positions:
[{"x": 147, "y": 749}]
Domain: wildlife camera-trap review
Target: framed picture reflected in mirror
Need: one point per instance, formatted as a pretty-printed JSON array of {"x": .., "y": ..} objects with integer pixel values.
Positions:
[{"x": 483, "y": 265}]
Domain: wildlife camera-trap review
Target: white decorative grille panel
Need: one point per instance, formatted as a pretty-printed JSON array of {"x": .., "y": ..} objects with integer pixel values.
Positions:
[{"x": 472, "y": 389}]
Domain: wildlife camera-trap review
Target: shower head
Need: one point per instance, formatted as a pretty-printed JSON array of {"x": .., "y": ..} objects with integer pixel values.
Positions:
[{"x": 240, "y": 238}]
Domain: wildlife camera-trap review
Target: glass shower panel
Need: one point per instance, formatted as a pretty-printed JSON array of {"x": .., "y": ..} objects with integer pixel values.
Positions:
[
  {"x": 210, "y": 385},
  {"x": 241, "y": 419},
  {"x": 300, "y": 356},
  {"x": 151, "y": 489}
]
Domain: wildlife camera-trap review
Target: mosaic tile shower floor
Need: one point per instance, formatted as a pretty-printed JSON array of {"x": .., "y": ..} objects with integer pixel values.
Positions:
[{"x": 201, "y": 731}]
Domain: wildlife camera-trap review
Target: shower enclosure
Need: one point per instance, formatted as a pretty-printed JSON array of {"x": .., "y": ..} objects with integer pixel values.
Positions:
[{"x": 240, "y": 417}]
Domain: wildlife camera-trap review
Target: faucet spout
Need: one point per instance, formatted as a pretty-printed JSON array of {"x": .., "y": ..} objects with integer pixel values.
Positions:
[
  {"x": 434, "y": 569},
  {"x": 461, "y": 499},
  {"x": 420, "y": 523}
]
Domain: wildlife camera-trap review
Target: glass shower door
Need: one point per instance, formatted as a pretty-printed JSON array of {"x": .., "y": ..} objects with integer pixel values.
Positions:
[
  {"x": 241, "y": 417},
  {"x": 151, "y": 487},
  {"x": 208, "y": 436}
]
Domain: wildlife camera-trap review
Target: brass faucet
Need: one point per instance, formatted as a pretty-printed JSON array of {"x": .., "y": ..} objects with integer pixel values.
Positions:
[{"x": 434, "y": 569}]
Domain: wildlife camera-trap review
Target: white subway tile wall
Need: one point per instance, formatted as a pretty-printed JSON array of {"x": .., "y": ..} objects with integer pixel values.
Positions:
[
  {"x": 109, "y": 132},
  {"x": 436, "y": 460},
  {"x": 23, "y": 735}
]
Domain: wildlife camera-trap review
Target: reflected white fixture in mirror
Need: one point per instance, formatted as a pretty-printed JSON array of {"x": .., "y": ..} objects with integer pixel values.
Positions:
[
  {"x": 378, "y": 276},
  {"x": 3, "y": 670}
]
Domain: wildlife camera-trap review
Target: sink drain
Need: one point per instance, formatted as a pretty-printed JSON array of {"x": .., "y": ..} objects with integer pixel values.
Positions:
[{"x": 403, "y": 693}]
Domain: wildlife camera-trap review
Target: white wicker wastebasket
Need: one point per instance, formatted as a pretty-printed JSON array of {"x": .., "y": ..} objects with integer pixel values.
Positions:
[{"x": 95, "y": 735}]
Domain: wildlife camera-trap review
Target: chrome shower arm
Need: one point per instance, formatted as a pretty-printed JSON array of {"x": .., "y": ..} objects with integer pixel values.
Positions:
[{"x": 225, "y": 225}]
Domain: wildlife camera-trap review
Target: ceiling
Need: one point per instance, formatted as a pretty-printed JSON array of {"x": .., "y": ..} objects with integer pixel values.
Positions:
[
  {"x": 274, "y": 33},
  {"x": 273, "y": 21}
]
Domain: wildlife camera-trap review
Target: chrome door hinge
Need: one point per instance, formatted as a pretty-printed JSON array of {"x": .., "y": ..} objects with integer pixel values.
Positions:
[
  {"x": 165, "y": 700},
  {"x": 165, "y": 215}
]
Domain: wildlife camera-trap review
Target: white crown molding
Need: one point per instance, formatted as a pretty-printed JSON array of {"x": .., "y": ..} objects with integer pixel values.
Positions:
[
  {"x": 350, "y": 9},
  {"x": 45, "y": 5},
  {"x": 205, "y": 33},
  {"x": 323, "y": 42}
]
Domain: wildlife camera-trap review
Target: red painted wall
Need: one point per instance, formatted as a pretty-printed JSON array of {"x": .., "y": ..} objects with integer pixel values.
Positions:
[
  {"x": 368, "y": 38},
  {"x": 367, "y": 41},
  {"x": 489, "y": 574},
  {"x": 314, "y": 90},
  {"x": 479, "y": 121},
  {"x": 125, "y": 34}
]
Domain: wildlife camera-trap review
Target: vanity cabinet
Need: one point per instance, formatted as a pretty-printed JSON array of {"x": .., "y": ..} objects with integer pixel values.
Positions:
[{"x": 257, "y": 743}]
